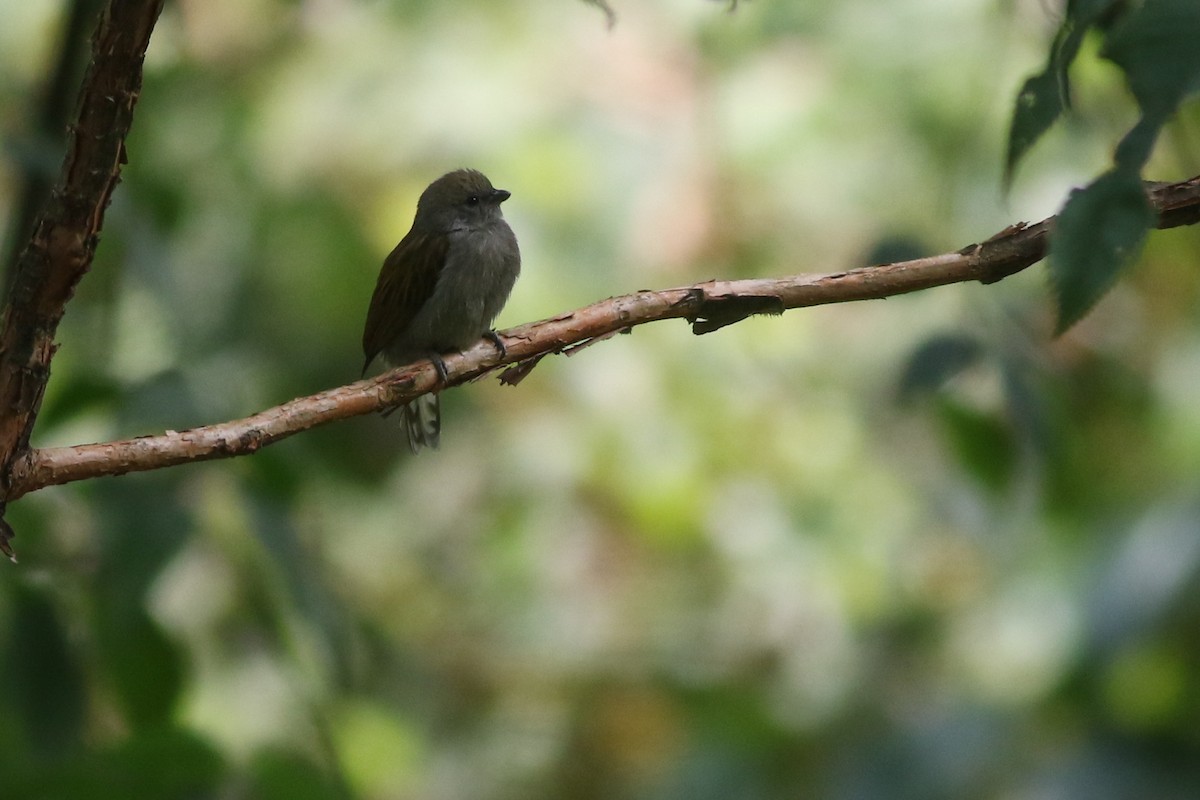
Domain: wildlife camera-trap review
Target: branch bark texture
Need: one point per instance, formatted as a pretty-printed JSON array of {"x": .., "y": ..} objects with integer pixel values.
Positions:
[
  {"x": 708, "y": 306},
  {"x": 65, "y": 235}
]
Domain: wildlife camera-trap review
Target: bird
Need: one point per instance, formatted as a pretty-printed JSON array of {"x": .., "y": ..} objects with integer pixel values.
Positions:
[{"x": 441, "y": 288}]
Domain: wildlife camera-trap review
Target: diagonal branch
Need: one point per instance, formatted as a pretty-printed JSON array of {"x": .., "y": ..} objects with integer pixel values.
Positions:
[
  {"x": 707, "y": 306},
  {"x": 49, "y": 127},
  {"x": 65, "y": 235}
]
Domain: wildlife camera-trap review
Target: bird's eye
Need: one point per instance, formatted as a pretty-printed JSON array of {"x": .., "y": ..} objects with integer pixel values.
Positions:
[{"x": 473, "y": 200}]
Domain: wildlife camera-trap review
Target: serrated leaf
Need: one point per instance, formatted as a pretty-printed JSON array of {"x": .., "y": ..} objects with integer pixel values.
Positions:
[
  {"x": 1099, "y": 233},
  {"x": 1157, "y": 45}
]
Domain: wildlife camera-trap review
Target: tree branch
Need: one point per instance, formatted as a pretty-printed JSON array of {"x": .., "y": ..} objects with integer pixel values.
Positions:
[
  {"x": 64, "y": 239},
  {"x": 49, "y": 121},
  {"x": 708, "y": 306}
]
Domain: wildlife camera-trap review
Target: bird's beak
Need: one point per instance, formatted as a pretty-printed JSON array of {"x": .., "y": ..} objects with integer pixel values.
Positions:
[{"x": 500, "y": 195}]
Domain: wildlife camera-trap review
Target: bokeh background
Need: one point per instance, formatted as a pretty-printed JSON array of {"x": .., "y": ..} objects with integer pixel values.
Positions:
[{"x": 914, "y": 548}]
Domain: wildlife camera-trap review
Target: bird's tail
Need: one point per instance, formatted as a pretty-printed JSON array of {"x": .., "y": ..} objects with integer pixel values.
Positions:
[{"x": 422, "y": 420}]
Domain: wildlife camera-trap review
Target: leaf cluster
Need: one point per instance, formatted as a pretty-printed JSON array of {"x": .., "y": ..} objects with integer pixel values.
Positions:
[{"x": 1103, "y": 226}]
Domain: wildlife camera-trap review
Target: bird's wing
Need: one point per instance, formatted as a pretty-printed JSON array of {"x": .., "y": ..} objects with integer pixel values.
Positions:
[{"x": 406, "y": 281}]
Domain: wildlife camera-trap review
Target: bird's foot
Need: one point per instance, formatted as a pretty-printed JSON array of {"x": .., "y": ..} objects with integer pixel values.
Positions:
[
  {"x": 440, "y": 366},
  {"x": 495, "y": 339}
]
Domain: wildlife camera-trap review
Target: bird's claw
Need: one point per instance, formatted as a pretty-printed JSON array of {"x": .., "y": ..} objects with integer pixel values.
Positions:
[
  {"x": 495, "y": 339},
  {"x": 440, "y": 366}
]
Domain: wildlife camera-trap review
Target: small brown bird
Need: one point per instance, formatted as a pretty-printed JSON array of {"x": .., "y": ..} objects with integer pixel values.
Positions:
[{"x": 441, "y": 288}]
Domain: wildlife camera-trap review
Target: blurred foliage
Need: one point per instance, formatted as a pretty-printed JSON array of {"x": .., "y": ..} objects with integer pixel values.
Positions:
[{"x": 913, "y": 549}]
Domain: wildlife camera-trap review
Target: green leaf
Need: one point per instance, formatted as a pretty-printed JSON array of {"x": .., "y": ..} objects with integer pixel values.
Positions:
[
  {"x": 168, "y": 763},
  {"x": 1044, "y": 97},
  {"x": 142, "y": 664},
  {"x": 983, "y": 443},
  {"x": 160, "y": 764},
  {"x": 278, "y": 775},
  {"x": 937, "y": 360},
  {"x": 1092, "y": 12},
  {"x": 75, "y": 395},
  {"x": 1040, "y": 103},
  {"x": 1157, "y": 44},
  {"x": 1134, "y": 149},
  {"x": 895, "y": 247},
  {"x": 1099, "y": 232},
  {"x": 42, "y": 676}
]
